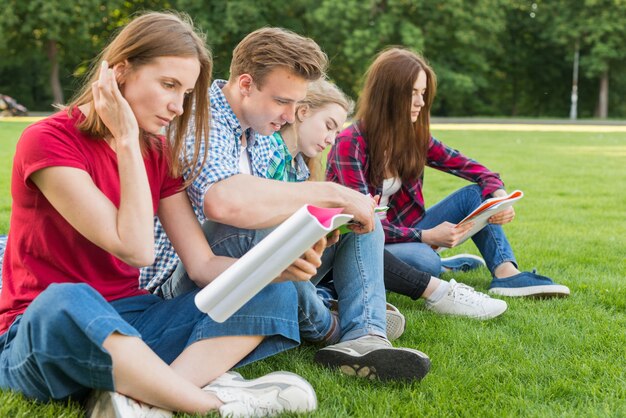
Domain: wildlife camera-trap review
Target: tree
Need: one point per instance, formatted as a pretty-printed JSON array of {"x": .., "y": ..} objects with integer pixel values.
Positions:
[{"x": 599, "y": 27}]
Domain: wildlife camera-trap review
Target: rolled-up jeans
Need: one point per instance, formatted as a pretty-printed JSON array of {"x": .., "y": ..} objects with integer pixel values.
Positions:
[
  {"x": 357, "y": 261},
  {"x": 55, "y": 349}
]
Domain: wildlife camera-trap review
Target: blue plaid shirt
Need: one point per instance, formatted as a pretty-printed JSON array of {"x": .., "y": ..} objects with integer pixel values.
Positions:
[{"x": 222, "y": 162}]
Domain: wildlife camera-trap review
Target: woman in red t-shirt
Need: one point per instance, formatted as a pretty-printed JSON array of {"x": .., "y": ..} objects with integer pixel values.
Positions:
[{"x": 86, "y": 185}]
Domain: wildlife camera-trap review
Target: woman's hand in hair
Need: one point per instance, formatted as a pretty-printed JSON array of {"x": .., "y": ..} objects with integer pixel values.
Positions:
[
  {"x": 306, "y": 266},
  {"x": 113, "y": 108},
  {"x": 445, "y": 234}
]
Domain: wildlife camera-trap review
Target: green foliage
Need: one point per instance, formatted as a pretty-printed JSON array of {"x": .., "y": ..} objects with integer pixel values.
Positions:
[{"x": 492, "y": 57}]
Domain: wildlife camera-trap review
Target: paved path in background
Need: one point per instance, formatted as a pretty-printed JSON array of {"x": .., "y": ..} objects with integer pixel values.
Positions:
[{"x": 479, "y": 124}]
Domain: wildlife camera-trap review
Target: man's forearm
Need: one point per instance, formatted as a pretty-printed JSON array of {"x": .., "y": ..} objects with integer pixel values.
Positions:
[{"x": 251, "y": 202}]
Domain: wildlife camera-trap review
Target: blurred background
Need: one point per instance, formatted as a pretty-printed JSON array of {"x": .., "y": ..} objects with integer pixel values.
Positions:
[{"x": 494, "y": 58}]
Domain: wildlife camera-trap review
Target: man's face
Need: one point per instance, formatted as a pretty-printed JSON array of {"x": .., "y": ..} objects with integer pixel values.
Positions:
[{"x": 265, "y": 109}]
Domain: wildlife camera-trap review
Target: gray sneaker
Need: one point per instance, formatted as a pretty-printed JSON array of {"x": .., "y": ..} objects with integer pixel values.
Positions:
[
  {"x": 268, "y": 395},
  {"x": 395, "y": 320},
  {"x": 102, "y": 404},
  {"x": 373, "y": 357}
]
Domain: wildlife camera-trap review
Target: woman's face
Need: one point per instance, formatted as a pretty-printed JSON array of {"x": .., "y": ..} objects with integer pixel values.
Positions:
[
  {"x": 319, "y": 128},
  {"x": 156, "y": 91},
  {"x": 417, "y": 101}
]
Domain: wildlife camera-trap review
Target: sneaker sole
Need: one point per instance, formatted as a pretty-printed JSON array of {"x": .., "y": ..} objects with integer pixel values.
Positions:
[
  {"x": 297, "y": 391},
  {"x": 550, "y": 291},
  {"x": 483, "y": 317},
  {"x": 384, "y": 364}
]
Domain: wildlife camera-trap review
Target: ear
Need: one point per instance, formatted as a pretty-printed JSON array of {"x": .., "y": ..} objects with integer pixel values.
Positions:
[
  {"x": 245, "y": 82},
  {"x": 121, "y": 71},
  {"x": 303, "y": 112}
]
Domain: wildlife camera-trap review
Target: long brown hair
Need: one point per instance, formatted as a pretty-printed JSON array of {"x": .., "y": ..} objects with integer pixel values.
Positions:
[
  {"x": 149, "y": 36},
  {"x": 394, "y": 143}
]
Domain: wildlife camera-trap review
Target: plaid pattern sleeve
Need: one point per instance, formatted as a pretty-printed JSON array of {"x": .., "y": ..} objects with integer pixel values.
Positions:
[
  {"x": 279, "y": 158},
  {"x": 452, "y": 161}
]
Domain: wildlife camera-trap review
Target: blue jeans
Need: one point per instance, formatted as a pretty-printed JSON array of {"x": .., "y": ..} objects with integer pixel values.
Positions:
[
  {"x": 357, "y": 261},
  {"x": 490, "y": 241},
  {"x": 54, "y": 350}
]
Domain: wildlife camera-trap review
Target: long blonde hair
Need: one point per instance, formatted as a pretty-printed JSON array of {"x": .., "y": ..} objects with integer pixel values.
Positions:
[
  {"x": 145, "y": 38},
  {"x": 393, "y": 141},
  {"x": 319, "y": 94}
]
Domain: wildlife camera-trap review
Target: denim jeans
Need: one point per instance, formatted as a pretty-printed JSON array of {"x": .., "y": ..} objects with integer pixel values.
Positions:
[
  {"x": 357, "y": 260},
  {"x": 54, "y": 350},
  {"x": 490, "y": 241}
]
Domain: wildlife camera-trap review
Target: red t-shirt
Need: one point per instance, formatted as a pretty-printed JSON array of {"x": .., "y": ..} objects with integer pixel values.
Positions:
[{"x": 42, "y": 247}]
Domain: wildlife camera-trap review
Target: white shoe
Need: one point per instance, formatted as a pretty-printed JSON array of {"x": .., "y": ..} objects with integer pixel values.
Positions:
[
  {"x": 102, "y": 404},
  {"x": 462, "y": 300},
  {"x": 268, "y": 395},
  {"x": 395, "y": 323}
]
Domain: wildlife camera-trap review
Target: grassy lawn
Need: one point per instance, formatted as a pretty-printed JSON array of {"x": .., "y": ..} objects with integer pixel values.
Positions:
[{"x": 542, "y": 358}]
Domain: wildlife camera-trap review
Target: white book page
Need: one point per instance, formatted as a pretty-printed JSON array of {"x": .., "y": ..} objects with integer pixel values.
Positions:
[{"x": 487, "y": 209}]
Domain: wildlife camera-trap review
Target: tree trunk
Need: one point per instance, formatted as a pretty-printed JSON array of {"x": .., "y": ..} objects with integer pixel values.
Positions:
[
  {"x": 602, "y": 111},
  {"x": 55, "y": 83}
]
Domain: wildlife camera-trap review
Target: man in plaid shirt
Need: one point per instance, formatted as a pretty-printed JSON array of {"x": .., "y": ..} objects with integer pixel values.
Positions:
[{"x": 236, "y": 204}]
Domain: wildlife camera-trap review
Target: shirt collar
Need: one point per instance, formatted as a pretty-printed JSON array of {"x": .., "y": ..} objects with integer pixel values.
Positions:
[{"x": 219, "y": 105}]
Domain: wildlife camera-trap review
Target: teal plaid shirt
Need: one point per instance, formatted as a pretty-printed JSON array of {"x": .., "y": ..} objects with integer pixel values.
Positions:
[{"x": 281, "y": 164}]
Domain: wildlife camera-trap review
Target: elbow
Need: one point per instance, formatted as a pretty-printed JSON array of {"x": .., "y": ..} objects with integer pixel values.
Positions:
[
  {"x": 220, "y": 208},
  {"x": 140, "y": 258}
]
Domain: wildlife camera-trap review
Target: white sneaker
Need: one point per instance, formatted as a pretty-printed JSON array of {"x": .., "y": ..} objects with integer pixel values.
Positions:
[
  {"x": 462, "y": 300},
  {"x": 395, "y": 323},
  {"x": 268, "y": 395},
  {"x": 102, "y": 404}
]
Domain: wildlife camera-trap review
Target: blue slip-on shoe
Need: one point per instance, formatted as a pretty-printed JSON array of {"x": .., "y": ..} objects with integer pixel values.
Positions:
[
  {"x": 527, "y": 284},
  {"x": 461, "y": 262}
]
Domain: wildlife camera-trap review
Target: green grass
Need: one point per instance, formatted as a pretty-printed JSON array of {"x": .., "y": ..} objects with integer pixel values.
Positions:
[{"x": 541, "y": 358}]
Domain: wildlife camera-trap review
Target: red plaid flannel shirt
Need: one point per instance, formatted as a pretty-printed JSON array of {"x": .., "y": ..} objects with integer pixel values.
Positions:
[{"x": 348, "y": 165}]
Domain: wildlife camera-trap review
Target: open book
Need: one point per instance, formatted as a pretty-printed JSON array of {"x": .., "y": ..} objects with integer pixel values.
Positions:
[
  {"x": 264, "y": 262},
  {"x": 482, "y": 213}
]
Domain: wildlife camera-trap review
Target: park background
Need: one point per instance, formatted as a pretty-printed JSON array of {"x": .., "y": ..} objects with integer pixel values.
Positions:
[{"x": 492, "y": 57}]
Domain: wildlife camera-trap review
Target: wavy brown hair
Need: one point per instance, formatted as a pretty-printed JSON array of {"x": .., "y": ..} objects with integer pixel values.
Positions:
[
  {"x": 394, "y": 143},
  {"x": 145, "y": 38}
]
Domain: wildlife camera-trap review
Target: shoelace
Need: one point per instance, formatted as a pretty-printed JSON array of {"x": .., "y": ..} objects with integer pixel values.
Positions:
[
  {"x": 254, "y": 405},
  {"x": 463, "y": 292}
]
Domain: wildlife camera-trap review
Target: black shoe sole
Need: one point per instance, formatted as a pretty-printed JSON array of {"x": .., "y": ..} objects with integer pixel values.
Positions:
[{"x": 384, "y": 364}]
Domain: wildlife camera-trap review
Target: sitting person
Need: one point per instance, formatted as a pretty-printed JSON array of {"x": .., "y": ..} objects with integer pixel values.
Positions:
[
  {"x": 384, "y": 152},
  {"x": 86, "y": 184},
  {"x": 296, "y": 157},
  {"x": 237, "y": 205}
]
